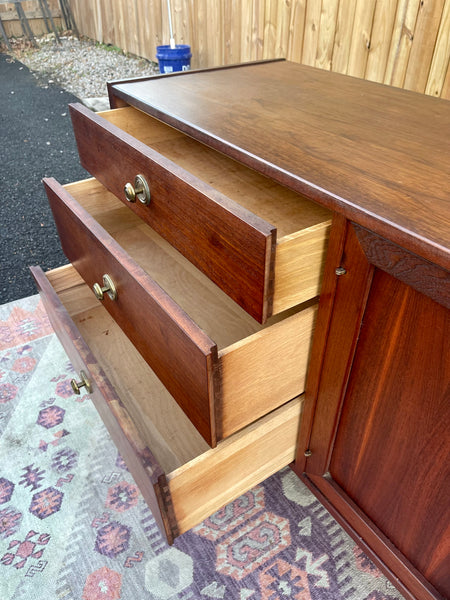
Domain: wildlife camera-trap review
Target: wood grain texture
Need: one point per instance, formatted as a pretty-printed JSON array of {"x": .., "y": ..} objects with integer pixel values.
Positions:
[
  {"x": 231, "y": 245},
  {"x": 237, "y": 464},
  {"x": 319, "y": 341},
  {"x": 284, "y": 209},
  {"x": 401, "y": 42},
  {"x": 343, "y": 36},
  {"x": 377, "y": 155},
  {"x": 361, "y": 37},
  {"x": 179, "y": 352},
  {"x": 330, "y": 374},
  {"x": 441, "y": 56},
  {"x": 382, "y": 29},
  {"x": 311, "y": 32},
  {"x": 376, "y": 406},
  {"x": 203, "y": 483},
  {"x": 264, "y": 371},
  {"x": 423, "y": 46},
  {"x": 299, "y": 264},
  {"x": 371, "y": 540},
  {"x": 258, "y": 368},
  {"x": 397, "y": 451},
  {"x": 161, "y": 423},
  {"x": 140, "y": 461},
  {"x": 421, "y": 275},
  {"x": 302, "y": 226}
]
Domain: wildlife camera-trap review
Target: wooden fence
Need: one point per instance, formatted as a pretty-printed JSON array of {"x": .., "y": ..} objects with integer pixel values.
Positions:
[
  {"x": 404, "y": 43},
  {"x": 33, "y": 13}
]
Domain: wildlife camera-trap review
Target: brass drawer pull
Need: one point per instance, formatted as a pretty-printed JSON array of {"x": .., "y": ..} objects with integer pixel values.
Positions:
[
  {"x": 76, "y": 385},
  {"x": 108, "y": 288},
  {"x": 140, "y": 190}
]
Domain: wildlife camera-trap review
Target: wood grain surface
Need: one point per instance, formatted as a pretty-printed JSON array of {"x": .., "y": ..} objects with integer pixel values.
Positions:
[
  {"x": 377, "y": 406},
  {"x": 378, "y": 155},
  {"x": 218, "y": 476},
  {"x": 391, "y": 451},
  {"x": 301, "y": 226},
  {"x": 422, "y": 275},
  {"x": 139, "y": 459},
  {"x": 234, "y": 247},
  {"x": 180, "y": 353}
]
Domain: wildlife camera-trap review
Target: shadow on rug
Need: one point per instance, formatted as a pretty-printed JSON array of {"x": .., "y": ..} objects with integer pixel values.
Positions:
[{"x": 73, "y": 524}]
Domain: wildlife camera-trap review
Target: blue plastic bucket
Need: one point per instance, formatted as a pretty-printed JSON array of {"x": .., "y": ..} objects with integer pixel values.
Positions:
[{"x": 174, "y": 59}]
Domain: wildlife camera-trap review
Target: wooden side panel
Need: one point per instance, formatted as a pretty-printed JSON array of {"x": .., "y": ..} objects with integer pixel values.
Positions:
[
  {"x": 299, "y": 264},
  {"x": 203, "y": 485},
  {"x": 140, "y": 461},
  {"x": 228, "y": 243},
  {"x": 180, "y": 354},
  {"x": 394, "y": 426},
  {"x": 264, "y": 371},
  {"x": 342, "y": 334}
]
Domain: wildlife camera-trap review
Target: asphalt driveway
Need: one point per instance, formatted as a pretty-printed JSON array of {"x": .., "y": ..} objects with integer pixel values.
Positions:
[{"x": 36, "y": 141}]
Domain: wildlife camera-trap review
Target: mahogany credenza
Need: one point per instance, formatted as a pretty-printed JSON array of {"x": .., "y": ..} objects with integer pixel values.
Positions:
[{"x": 260, "y": 277}]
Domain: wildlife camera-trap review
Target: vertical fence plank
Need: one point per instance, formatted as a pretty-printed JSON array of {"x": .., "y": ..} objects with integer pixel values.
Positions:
[
  {"x": 283, "y": 17},
  {"x": 270, "y": 28},
  {"x": 200, "y": 27},
  {"x": 311, "y": 35},
  {"x": 383, "y": 25},
  {"x": 441, "y": 56},
  {"x": 343, "y": 36},
  {"x": 178, "y": 12},
  {"x": 108, "y": 25},
  {"x": 296, "y": 30},
  {"x": 246, "y": 29},
  {"x": 425, "y": 35},
  {"x": 361, "y": 36},
  {"x": 327, "y": 32},
  {"x": 214, "y": 36},
  {"x": 258, "y": 29},
  {"x": 401, "y": 42},
  {"x": 228, "y": 34}
]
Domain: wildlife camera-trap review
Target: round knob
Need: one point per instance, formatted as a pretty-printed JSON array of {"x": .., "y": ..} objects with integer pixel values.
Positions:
[
  {"x": 130, "y": 193},
  {"x": 107, "y": 288},
  {"x": 76, "y": 385},
  {"x": 140, "y": 190}
]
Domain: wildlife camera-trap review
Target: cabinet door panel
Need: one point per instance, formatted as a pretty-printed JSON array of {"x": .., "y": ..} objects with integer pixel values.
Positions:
[
  {"x": 394, "y": 430},
  {"x": 374, "y": 444}
]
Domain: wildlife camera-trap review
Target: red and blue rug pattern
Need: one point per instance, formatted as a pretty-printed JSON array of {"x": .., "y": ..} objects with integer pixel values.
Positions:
[{"x": 74, "y": 526}]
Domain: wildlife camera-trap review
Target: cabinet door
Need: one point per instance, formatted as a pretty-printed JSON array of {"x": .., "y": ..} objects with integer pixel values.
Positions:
[{"x": 376, "y": 431}]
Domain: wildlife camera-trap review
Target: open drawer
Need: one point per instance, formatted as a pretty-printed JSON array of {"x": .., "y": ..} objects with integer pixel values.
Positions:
[
  {"x": 262, "y": 243},
  {"x": 182, "y": 480},
  {"x": 222, "y": 367}
]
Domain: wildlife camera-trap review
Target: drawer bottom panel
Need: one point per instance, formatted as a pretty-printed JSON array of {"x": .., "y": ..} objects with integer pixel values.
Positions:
[{"x": 180, "y": 477}]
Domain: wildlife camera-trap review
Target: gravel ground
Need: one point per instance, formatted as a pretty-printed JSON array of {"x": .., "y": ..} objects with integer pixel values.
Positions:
[
  {"x": 81, "y": 67},
  {"x": 36, "y": 141}
]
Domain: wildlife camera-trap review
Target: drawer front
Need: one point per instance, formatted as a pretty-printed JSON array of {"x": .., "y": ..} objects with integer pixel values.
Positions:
[
  {"x": 231, "y": 245},
  {"x": 182, "y": 498},
  {"x": 143, "y": 466},
  {"x": 177, "y": 349}
]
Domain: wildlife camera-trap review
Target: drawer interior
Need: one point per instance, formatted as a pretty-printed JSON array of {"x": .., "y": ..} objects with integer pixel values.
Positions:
[
  {"x": 200, "y": 479},
  {"x": 288, "y": 211}
]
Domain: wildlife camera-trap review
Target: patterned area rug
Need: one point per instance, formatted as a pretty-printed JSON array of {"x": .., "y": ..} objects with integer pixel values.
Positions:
[{"x": 74, "y": 526}]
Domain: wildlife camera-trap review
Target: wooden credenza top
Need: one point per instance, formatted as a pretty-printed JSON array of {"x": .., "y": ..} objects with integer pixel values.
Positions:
[{"x": 377, "y": 154}]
